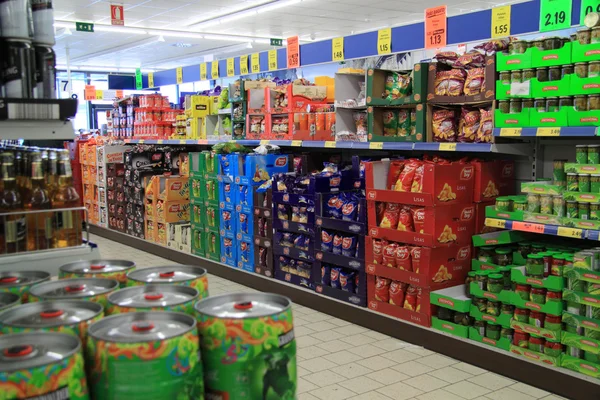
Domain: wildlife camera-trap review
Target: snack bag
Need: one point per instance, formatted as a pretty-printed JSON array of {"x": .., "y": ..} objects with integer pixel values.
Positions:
[
  {"x": 456, "y": 82},
  {"x": 382, "y": 289},
  {"x": 397, "y": 293},
  {"x": 413, "y": 122},
  {"x": 444, "y": 126},
  {"x": 405, "y": 220},
  {"x": 419, "y": 296},
  {"x": 403, "y": 258},
  {"x": 468, "y": 125},
  {"x": 349, "y": 244},
  {"x": 486, "y": 126},
  {"x": 415, "y": 256},
  {"x": 389, "y": 255},
  {"x": 390, "y": 216},
  {"x": 474, "y": 82},
  {"x": 335, "y": 277},
  {"x": 360, "y": 119},
  {"x": 404, "y": 183},
  {"x": 410, "y": 299},
  {"x": 418, "y": 216},
  {"x": 403, "y": 122},
  {"x": 347, "y": 280},
  {"x": 378, "y": 246},
  {"x": 337, "y": 244},
  {"x": 417, "y": 183},
  {"x": 396, "y": 166},
  {"x": 326, "y": 275},
  {"x": 390, "y": 122}
]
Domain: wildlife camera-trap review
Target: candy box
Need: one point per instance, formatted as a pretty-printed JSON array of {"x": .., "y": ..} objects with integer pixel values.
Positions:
[
  {"x": 198, "y": 241},
  {"x": 245, "y": 255},
  {"x": 244, "y": 226},
  {"x": 172, "y": 187},
  {"x": 204, "y": 163},
  {"x": 263, "y": 256},
  {"x": 172, "y": 211},
  {"x": 212, "y": 247},
  {"x": 357, "y": 297},
  {"x": 150, "y": 230},
  {"x": 228, "y": 251},
  {"x": 254, "y": 169}
]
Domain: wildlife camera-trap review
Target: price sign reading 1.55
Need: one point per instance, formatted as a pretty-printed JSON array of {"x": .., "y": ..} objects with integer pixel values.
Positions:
[
  {"x": 500, "y": 22},
  {"x": 555, "y": 14}
]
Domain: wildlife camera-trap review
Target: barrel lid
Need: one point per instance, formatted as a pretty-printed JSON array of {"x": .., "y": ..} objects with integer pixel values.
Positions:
[
  {"x": 152, "y": 296},
  {"x": 142, "y": 326},
  {"x": 243, "y": 305},
  {"x": 34, "y": 349},
  {"x": 8, "y": 299},
  {"x": 18, "y": 278},
  {"x": 50, "y": 313},
  {"x": 167, "y": 274},
  {"x": 73, "y": 288},
  {"x": 97, "y": 266}
]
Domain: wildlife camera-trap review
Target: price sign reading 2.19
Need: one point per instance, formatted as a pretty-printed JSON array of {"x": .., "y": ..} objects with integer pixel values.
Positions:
[
  {"x": 555, "y": 14},
  {"x": 435, "y": 27}
]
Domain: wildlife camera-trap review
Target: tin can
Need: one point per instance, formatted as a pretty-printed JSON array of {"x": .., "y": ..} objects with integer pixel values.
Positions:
[
  {"x": 187, "y": 275},
  {"x": 43, "y": 22},
  {"x": 44, "y": 86},
  {"x": 559, "y": 170},
  {"x": 546, "y": 202},
  {"x": 558, "y": 205},
  {"x": 581, "y": 154},
  {"x": 145, "y": 355},
  {"x": 20, "y": 282},
  {"x": 177, "y": 298},
  {"x": 583, "y": 209},
  {"x": 90, "y": 289},
  {"x": 595, "y": 183},
  {"x": 64, "y": 316},
  {"x": 594, "y": 211},
  {"x": 533, "y": 202},
  {"x": 238, "y": 362},
  {"x": 572, "y": 182},
  {"x": 583, "y": 182},
  {"x": 42, "y": 365},
  {"x": 9, "y": 300},
  {"x": 16, "y": 20},
  {"x": 572, "y": 209},
  {"x": 18, "y": 67},
  {"x": 109, "y": 269}
]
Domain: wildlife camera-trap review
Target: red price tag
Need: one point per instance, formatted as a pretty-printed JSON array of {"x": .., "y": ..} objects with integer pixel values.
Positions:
[
  {"x": 435, "y": 27},
  {"x": 528, "y": 227},
  {"x": 89, "y": 92},
  {"x": 293, "y": 52}
]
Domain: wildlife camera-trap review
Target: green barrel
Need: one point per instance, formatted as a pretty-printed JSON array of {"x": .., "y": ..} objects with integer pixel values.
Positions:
[
  {"x": 248, "y": 346},
  {"x": 65, "y": 316},
  {"x": 111, "y": 269},
  {"x": 187, "y": 275},
  {"x": 20, "y": 282},
  {"x": 42, "y": 365},
  {"x": 145, "y": 356},
  {"x": 90, "y": 289},
  {"x": 153, "y": 298},
  {"x": 9, "y": 300}
]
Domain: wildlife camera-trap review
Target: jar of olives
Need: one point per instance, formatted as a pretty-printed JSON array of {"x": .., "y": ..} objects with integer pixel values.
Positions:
[
  {"x": 552, "y": 104},
  {"x": 565, "y": 101},
  {"x": 584, "y": 36},
  {"x": 554, "y": 74},
  {"x": 504, "y": 106},
  {"x": 593, "y": 69},
  {"x": 505, "y": 77},
  {"x": 486, "y": 254},
  {"x": 535, "y": 265},
  {"x": 539, "y": 105},
  {"x": 528, "y": 74},
  {"x": 581, "y": 103},
  {"x": 566, "y": 69},
  {"x": 593, "y": 102},
  {"x": 503, "y": 256},
  {"x": 581, "y": 69},
  {"x": 516, "y": 106}
]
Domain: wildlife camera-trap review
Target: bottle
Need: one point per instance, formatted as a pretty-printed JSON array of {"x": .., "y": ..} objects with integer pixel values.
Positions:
[
  {"x": 23, "y": 175},
  {"x": 68, "y": 225},
  {"x": 12, "y": 227},
  {"x": 51, "y": 173},
  {"x": 39, "y": 225}
]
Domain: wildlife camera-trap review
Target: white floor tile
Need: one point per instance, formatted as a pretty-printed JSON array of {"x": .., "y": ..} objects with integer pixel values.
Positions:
[
  {"x": 400, "y": 391},
  {"x": 366, "y": 350},
  {"x": 370, "y": 396},
  {"x": 470, "y": 369},
  {"x": 305, "y": 386},
  {"x": 412, "y": 368},
  {"x": 357, "y": 340},
  {"x": 467, "y": 390},
  {"x": 334, "y": 346},
  {"x": 491, "y": 381},
  {"x": 362, "y": 384},
  {"x": 400, "y": 356},
  {"x": 333, "y": 392},
  {"x": 342, "y": 357},
  {"x": 376, "y": 363},
  {"x": 388, "y": 376},
  {"x": 439, "y": 394},
  {"x": 316, "y": 364},
  {"x": 437, "y": 361},
  {"x": 451, "y": 374},
  {"x": 324, "y": 378},
  {"x": 508, "y": 394},
  {"x": 426, "y": 382},
  {"x": 530, "y": 390},
  {"x": 352, "y": 370}
]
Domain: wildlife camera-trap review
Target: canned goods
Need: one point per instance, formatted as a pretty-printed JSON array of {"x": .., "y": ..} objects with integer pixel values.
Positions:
[
  {"x": 8, "y": 300},
  {"x": 64, "y": 316},
  {"x": 43, "y": 22},
  {"x": 42, "y": 365},
  {"x": 153, "y": 298},
  {"x": 16, "y": 20},
  {"x": 546, "y": 203},
  {"x": 229, "y": 322},
  {"x": 91, "y": 289},
  {"x": 20, "y": 282},
  {"x": 583, "y": 210},
  {"x": 572, "y": 209},
  {"x": 109, "y": 269},
  {"x": 145, "y": 355},
  {"x": 17, "y": 67},
  {"x": 187, "y": 275}
]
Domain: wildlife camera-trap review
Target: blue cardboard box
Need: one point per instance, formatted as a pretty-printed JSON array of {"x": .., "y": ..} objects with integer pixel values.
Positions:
[
  {"x": 245, "y": 255},
  {"x": 244, "y": 226},
  {"x": 228, "y": 250},
  {"x": 227, "y": 193},
  {"x": 227, "y": 221}
]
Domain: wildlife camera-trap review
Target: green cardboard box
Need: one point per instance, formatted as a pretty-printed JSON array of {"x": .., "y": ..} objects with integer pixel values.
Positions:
[
  {"x": 212, "y": 246},
  {"x": 450, "y": 327},
  {"x": 453, "y": 298}
]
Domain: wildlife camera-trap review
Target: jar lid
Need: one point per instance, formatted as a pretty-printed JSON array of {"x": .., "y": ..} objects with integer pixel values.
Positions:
[
  {"x": 536, "y": 256},
  {"x": 559, "y": 256},
  {"x": 503, "y": 250},
  {"x": 520, "y": 201},
  {"x": 496, "y": 276},
  {"x": 505, "y": 268},
  {"x": 584, "y": 174},
  {"x": 482, "y": 273},
  {"x": 503, "y": 198},
  {"x": 538, "y": 245},
  {"x": 471, "y": 273},
  {"x": 492, "y": 324},
  {"x": 565, "y": 97},
  {"x": 487, "y": 247}
]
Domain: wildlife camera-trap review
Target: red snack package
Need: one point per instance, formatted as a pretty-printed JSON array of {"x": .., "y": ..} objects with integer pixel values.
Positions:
[
  {"x": 390, "y": 216},
  {"x": 404, "y": 182},
  {"x": 403, "y": 258},
  {"x": 474, "y": 82},
  {"x": 471, "y": 59},
  {"x": 419, "y": 297},
  {"x": 397, "y": 293},
  {"x": 446, "y": 57},
  {"x": 468, "y": 125},
  {"x": 410, "y": 299},
  {"x": 486, "y": 126},
  {"x": 444, "y": 126},
  {"x": 389, "y": 255},
  {"x": 418, "y": 215},
  {"x": 382, "y": 289},
  {"x": 417, "y": 183},
  {"x": 380, "y": 210},
  {"x": 405, "y": 220},
  {"x": 396, "y": 167},
  {"x": 415, "y": 256},
  {"x": 378, "y": 246}
]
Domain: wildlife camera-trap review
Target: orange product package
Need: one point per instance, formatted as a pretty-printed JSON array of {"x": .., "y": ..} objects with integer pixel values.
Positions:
[
  {"x": 390, "y": 216},
  {"x": 389, "y": 255},
  {"x": 378, "y": 245},
  {"x": 396, "y": 167},
  {"x": 418, "y": 216},
  {"x": 415, "y": 258},
  {"x": 403, "y": 258},
  {"x": 382, "y": 289},
  {"x": 320, "y": 121},
  {"x": 397, "y": 290},
  {"x": 404, "y": 182},
  {"x": 410, "y": 299},
  {"x": 330, "y": 121},
  {"x": 406, "y": 220},
  {"x": 302, "y": 121},
  {"x": 417, "y": 183},
  {"x": 312, "y": 124}
]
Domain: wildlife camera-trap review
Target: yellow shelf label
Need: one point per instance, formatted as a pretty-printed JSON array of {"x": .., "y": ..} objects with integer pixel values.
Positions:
[
  {"x": 570, "y": 232},
  {"x": 264, "y": 142},
  {"x": 376, "y": 145},
  {"x": 297, "y": 143},
  {"x": 510, "y": 131},
  {"x": 179, "y": 72},
  {"x": 272, "y": 60},
  {"x": 337, "y": 49},
  {"x": 230, "y": 67},
  {"x": 495, "y": 223},
  {"x": 243, "y": 65},
  {"x": 547, "y": 132},
  {"x": 150, "y": 79},
  {"x": 330, "y": 145},
  {"x": 447, "y": 146},
  {"x": 99, "y": 95},
  {"x": 214, "y": 70},
  {"x": 255, "y": 63},
  {"x": 384, "y": 41},
  {"x": 160, "y": 141},
  {"x": 141, "y": 141},
  {"x": 500, "y": 22},
  {"x": 182, "y": 141},
  {"x": 203, "y": 72}
]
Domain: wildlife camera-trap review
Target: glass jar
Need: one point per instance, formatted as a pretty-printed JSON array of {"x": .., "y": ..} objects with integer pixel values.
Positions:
[
  {"x": 495, "y": 283},
  {"x": 594, "y": 102},
  {"x": 527, "y": 103},
  {"x": 536, "y": 319},
  {"x": 553, "y": 349},
  {"x": 552, "y": 43},
  {"x": 535, "y": 266},
  {"x": 481, "y": 277},
  {"x": 566, "y": 69},
  {"x": 538, "y": 248},
  {"x": 522, "y": 291},
  {"x": 539, "y": 105},
  {"x": 538, "y": 295},
  {"x": 584, "y": 36},
  {"x": 546, "y": 204},
  {"x": 503, "y": 203},
  {"x": 516, "y": 76},
  {"x": 595, "y": 35},
  {"x": 568, "y": 260},
  {"x": 519, "y": 205},
  {"x": 505, "y": 77},
  {"x": 528, "y": 74},
  {"x": 558, "y": 205},
  {"x": 581, "y": 69},
  {"x": 554, "y": 74},
  {"x": 581, "y": 103},
  {"x": 552, "y": 104},
  {"x": 565, "y": 101},
  {"x": 593, "y": 69},
  {"x": 505, "y": 271},
  {"x": 521, "y": 315},
  {"x": 480, "y": 327},
  {"x": 503, "y": 256},
  {"x": 516, "y": 106},
  {"x": 553, "y": 295},
  {"x": 492, "y": 331},
  {"x": 507, "y": 309},
  {"x": 539, "y": 43},
  {"x": 558, "y": 261},
  {"x": 533, "y": 202},
  {"x": 524, "y": 248},
  {"x": 536, "y": 344},
  {"x": 519, "y": 46},
  {"x": 481, "y": 304},
  {"x": 470, "y": 278},
  {"x": 507, "y": 333},
  {"x": 553, "y": 322},
  {"x": 541, "y": 74},
  {"x": 486, "y": 254},
  {"x": 493, "y": 307},
  {"x": 504, "y": 106}
]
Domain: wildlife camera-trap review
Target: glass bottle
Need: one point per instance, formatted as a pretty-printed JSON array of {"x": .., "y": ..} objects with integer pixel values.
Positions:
[
  {"x": 52, "y": 173},
  {"x": 12, "y": 227},
  {"x": 68, "y": 222},
  {"x": 39, "y": 225}
]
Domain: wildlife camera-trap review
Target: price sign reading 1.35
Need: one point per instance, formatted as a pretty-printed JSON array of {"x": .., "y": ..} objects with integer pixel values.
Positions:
[
  {"x": 588, "y": 6},
  {"x": 555, "y": 14},
  {"x": 436, "y": 34},
  {"x": 243, "y": 65},
  {"x": 255, "y": 63},
  {"x": 384, "y": 41}
]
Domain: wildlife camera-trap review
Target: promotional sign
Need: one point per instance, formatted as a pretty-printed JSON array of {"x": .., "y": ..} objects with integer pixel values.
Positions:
[
  {"x": 214, "y": 70},
  {"x": 293, "y": 52},
  {"x": 89, "y": 92},
  {"x": 272, "y": 60},
  {"x": 230, "y": 67},
  {"x": 203, "y": 72},
  {"x": 436, "y": 33},
  {"x": 555, "y": 15},
  {"x": 500, "y": 22},
  {"x": 384, "y": 41},
  {"x": 243, "y": 65},
  {"x": 117, "y": 17},
  {"x": 337, "y": 49},
  {"x": 138, "y": 79},
  {"x": 150, "y": 79},
  {"x": 255, "y": 61},
  {"x": 179, "y": 75}
]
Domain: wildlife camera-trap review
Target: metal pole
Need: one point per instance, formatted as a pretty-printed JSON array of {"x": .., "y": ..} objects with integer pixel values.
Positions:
[{"x": 69, "y": 83}]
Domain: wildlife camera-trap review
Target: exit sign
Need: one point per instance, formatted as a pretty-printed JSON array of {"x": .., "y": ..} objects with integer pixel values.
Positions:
[
  {"x": 276, "y": 42},
  {"x": 84, "y": 27}
]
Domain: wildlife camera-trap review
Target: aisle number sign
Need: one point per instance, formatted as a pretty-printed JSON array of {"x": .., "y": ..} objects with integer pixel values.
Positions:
[
  {"x": 500, "y": 22},
  {"x": 255, "y": 60},
  {"x": 337, "y": 49},
  {"x": 230, "y": 67},
  {"x": 555, "y": 14},
  {"x": 243, "y": 65},
  {"x": 384, "y": 41},
  {"x": 179, "y": 73},
  {"x": 203, "y": 72},
  {"x": 150, "y": 79},
  {"x": 214, "y": 70},
  {"x": 588, "y": 6},
  {"x": 436, "y": 34},
  {"x": 293, "y": 52},
  {"x": 272, "y": 60},
  {"x": 89, "y": 93}
]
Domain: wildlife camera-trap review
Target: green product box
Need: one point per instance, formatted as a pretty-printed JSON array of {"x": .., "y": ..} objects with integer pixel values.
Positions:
[
  {"x": 542, "y": 218},
  {"x": 551, "y": 88},
  {"x": 500, "y": 238},
  {"x": 580, "y": 321},
  {"x": 548, "y": 119},
  {"x": 550, "y": 58},
  {"x": 585, "y": 52},
  {"x": 582, "y": 168},
  {"x": 584, "y": 118},
  {"x": 541, "y": 188},
  {"x": 503, "y": 92},
  {"x": 584, "y": 343},
  {"x": 477, "y": 265},
  {"x": 535, "y": 356},
  {"x": 212, "y": 244},
  {"x": 490, "y": 212},
  {"x": 198, "y": 241},
  {"x": 242, "y": 119},
  {"x": 581, "y": 298},
  {"x": 375, "y": 124},
  {"x": 506, "y": 62},
  {"x": 582, "y": 197},
  {"x": 376, "y": 82},
  {"x": 237, "y": 92},
  {"x": 196, "y": 185},
  {"x": 516, "y": 120},
  {"x": 551, "y": 282},
  {"x": 210, "y": 189},
  {"x": 203, "y": 164},
  {"x": 502, "y": 319},
  {"x": 581, "y": 274},
  {"x": 212, "y": 213},
  {"x": 502, "y": 343},
  {"x": 450, "y": 327},
  {"x": 535, "y": 331},
  {"x": 582, "y": 366},
  {"x": 504, "y": 296},
  {"x": 453, "y": 298},
  {"x": 580, "y": 223},
  {"x": 553, "y": 307},
  {"x": 584, "y": 85},
  {"x": 197, "y": 213}
]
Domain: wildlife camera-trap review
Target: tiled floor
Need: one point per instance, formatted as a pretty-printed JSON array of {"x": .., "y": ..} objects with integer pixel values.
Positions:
[{"x": 339, "y": 360}]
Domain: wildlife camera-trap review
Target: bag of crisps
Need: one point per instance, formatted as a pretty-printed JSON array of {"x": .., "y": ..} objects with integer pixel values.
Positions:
[
  {"x": 405, "y": 220},
  {"x": 390, "y": 122},
  {"x": 405, "y": 178},
  {"x": 417, "y": 183},
  {"x": 390, "y": 216}
]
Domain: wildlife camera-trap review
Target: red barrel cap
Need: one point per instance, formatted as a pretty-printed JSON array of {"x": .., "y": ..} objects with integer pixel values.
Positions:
[
  {"x": 142, "y": 326},
  {"x": 153, "y": 296},
  {"x": 18, "y": 351},
  {"x": 246, "y": 305},
  {"x": 51, "y": 313},
  {"x": 169, "y": 274}
]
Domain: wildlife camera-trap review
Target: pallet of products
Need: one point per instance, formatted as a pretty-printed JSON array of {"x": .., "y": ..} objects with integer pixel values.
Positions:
[
  {"x": 263, "y": 230},
  {"x": 493, "y": 178}
]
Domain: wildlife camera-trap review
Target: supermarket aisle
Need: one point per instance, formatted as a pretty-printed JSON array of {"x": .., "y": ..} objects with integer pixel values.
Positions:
[{"x": 339, "y": 360}]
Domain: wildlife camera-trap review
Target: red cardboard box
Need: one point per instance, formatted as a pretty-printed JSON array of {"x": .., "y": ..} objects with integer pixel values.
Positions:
[
  {"x": 172, "y": 187},
  {"x": 480, "y": 218},
  {"x": 442, "y": 184},
  {"x": 493, "y": 179},
  {"x": 314, "y": 126},
  {"x": 172, "y": 211}
]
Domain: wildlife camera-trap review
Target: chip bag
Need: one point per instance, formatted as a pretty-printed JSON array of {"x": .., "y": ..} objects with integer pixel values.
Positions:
[
  {"x": 390, "y": 122},
  {"x": 474, "y": 82},
  {"x": 404, "y": 182},
  {"x": 396, "y": 167},
  {"x": 486, "y": 126},
  {"x": 382, "y": 289},
  {"x": 403, "y": 122},
  {"x": 390, "y": 216},
  {"x": 444, "y": 126},
  {"x": 405, "y": 220},
  {"x": 417, "y": 183}
]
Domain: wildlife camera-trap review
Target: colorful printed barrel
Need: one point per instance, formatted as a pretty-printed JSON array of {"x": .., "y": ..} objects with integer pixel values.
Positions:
[
  {"x": 153, "y": 298},
  {"x": 248, "y": 346},
  {"x": 145, "y": 355},
  {"x": 90, "y": 289},
  {"x": 187, "y": 275},
  {"x": 111, "y": 269},
  {"x": 8, "y": 300},
  {"x": 45, "y": 365},
  {"x": 65, "y": 316},
  {"x": 20, "y": 282}
]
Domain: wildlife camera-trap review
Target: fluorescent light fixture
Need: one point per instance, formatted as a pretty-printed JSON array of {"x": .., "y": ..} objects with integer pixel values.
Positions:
[
  {"x": 105, "y": 69},
  {"x": 216, "y": 20},
  {"x": 110, "y": 28},
  {"x": 275, "y": 6},
  {"x": 168, "y": 33},
  {"x": 227, "y": 38},
  {"x": 262, "y": 41},
  {"x": 248, "y": 12}
]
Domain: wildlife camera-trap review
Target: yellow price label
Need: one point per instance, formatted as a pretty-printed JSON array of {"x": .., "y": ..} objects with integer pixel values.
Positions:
[
  {"x": 214, "y": 70},
  {"x": 203, "y": 72},
  {"x": 264, "y": 142},
  {"x": 570, "y": 232},
  {"x": 330, "y": 145},
  {"x": 99, "y": 95},
  {"x": 447, "y": 146},
  {"x": 384, "y": 41},
  {"x": 230, "y": 67},
  {"x": 495, "y": 223},
  {"x": 547, "y": 132},
  {"x": 160, "y": 141},
  {"x": 179, "y": 72},
  {"x": 297, "y": 143},
  {"x": 243, "y": 65},
  {"x": 255, "y": 63},
  {"x": 510, "y": 131},
  {"x": 272, "y": 60},
  {"x": 182, "y": 141},
  {"x": 337, "y": 49},
  {"x": 500, "y": 22},
  {"x": 141, "y": 141},
  {"x": 376, "y": 145},
  {"x": 150, "y": 79}
]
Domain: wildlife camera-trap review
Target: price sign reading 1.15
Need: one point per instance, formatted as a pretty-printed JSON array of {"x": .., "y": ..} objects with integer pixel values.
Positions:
[
  {"x": 555, "y": 14},
  {"x": 384, "y": 41}
]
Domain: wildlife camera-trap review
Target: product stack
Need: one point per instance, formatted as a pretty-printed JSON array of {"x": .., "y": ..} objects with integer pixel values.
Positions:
[
  {"x": 209, "y": 115},
  {"x": 237, "y": 98},
  {"x": 89, "y": 179},
  {"x": 493, "y": 178},
  {"x": 263, "y": 230},
  {"x": 143, "y": 117},
  {"x": 116, "y": 202}
]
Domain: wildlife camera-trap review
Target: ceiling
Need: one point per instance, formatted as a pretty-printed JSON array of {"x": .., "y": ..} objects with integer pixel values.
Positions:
[{"x": 164, "y": 34}]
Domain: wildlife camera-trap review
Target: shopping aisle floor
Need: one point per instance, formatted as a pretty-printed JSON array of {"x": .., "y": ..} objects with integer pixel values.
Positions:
[{"x": 339, "y": 360}]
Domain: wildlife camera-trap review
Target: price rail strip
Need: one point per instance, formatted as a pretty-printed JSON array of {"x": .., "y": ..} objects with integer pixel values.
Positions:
[
  {"x": 566, "y": 131},
  {"x": 533, "y": 227}
]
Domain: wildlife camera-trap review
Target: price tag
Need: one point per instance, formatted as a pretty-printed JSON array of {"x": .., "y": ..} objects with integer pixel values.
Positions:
[
  {"x": 447, "y": 146},
  {"x": 150, "y": 79},
  {"x": 330, "y": 145},
  {"x": 230, "y": 67},
  {"x": 296, "y": 143},
  {"x": 141, "y": 141},
  {"x": 547, "y": 132},
  {"x": 243, "y": 65},
  {"x": 214, "y": 70},
  {"x": 495, "y": 223},
  {"x": 500, "y": 22},
  {"x": 570, "y": 232},
  {"x": 160, "y": 141},
  {"x": 203, "y": 72},
  {"x": 376, "y": 145},
  {"x": 555, "y": 14},
  {"x": 99, "y": 95},
  {"x": 435, "y": 27},
  {"x": 179, "y": 72},
  {"x": 384, "y": 41},
  {"x": 528, "y": 227},
  {"x": 272, "y": 60},
  {"x": 255, "y": 63},
  {"x": 337, "y": 49},
  {"x": 510, "y": 131},
  {"x": 119, "y": 94},
  {"x": 89, "y": 92},
  {"x": 139, "y": 85},
  {"x": 264, "y": 142},
  {"x": 588, "y": 6},
  {"x": 293, "y": 52}
]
